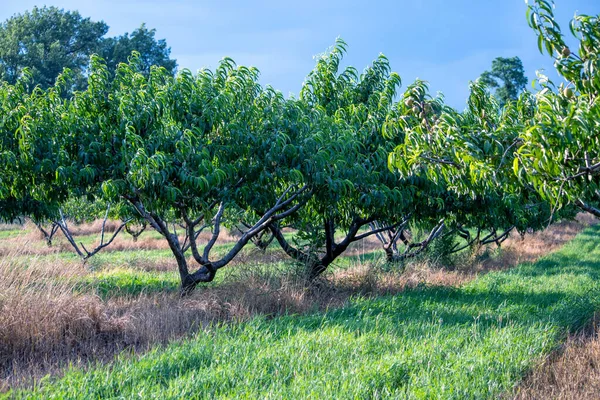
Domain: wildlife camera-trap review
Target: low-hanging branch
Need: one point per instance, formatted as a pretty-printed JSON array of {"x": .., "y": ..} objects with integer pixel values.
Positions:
[
  {"x": 262, "y": 240},
  {"x": 497, "y": 239},
  {"x": 477, "y": 240},
  {"x": 586, "y": 207},
  {"x": 414, "y": 249},
  {"x": 389, "y": 236}
]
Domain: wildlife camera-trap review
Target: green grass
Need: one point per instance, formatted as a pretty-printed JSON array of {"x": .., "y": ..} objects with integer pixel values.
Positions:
[
  {"x": 471, "y": 342},
  {"x": 11, "y": 233},
  {"x": 124, "y": 282}
]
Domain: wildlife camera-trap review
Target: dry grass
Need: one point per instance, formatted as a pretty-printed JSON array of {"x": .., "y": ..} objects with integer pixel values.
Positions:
[
  {"x": 94, "y": 227},
  {"x": 572, "y": 373},
  {"x": 45, "y": 324},
  {"x": 10, "y": 226}
]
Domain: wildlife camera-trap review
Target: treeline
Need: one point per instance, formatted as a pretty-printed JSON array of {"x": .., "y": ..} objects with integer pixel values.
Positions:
[
  {"x": 46, "y": 40},
  {"x": 348, "y": 159}
]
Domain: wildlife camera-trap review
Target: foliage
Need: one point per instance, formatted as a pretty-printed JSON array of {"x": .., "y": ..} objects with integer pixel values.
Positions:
[
  {"x": 346, "y": 160},
  {"x": 152, "y": 52},
  {"x": 30, "y": 150},
  {"x": 354, "y": 187},
  {"x": 510, "y": 73},
  {"x": 47, "y": 40},
  {"x": 560, "y": 153},
  {"x": 471, "y": 155},
  {"x": 185, "y": 149}
]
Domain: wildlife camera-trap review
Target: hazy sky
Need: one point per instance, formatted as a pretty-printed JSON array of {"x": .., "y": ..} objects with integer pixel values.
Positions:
[{"x": 446, "y": 42}]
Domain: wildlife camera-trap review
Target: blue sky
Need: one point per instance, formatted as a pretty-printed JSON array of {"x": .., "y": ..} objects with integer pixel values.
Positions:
[{"x": 446, "y": 42}]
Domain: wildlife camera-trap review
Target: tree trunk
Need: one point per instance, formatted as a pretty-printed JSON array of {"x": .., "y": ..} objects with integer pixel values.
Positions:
[
  {"x": 315, "y": 269},
  {"x": 188, "y": 285}
]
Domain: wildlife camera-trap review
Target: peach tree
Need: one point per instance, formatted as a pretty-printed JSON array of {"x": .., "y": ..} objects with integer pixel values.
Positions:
[
  {"x": 188, "y": 153},
  {"x": 560, "y": 150}
]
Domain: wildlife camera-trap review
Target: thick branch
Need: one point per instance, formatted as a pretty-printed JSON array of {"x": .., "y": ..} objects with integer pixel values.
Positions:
[
  {"x": 586, "y": 207},
  {"x": 421, "y": 246},
  {"x": 397, "y": 228},
  {"x": 290, "y": 250},
  {"x": 216, "y": 231},
  {"x": 276, "y": 213}
]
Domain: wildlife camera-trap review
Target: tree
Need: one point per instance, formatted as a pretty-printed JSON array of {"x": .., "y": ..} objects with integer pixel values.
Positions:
[
  {"x": 355, "y": 195},
  {"x": 471, "y": 155},
  {"x": 30, "y": 149},
  {"x": 187, "y": 151},
  {"x": 507, "y": 77},
  {"x": 152, "y": 52},
  {"x": 47, "y": 40},
  {"x": 560, "y": 151},
  {"x": 33, "y": 151},
  {"x": 343, "y": 162}
]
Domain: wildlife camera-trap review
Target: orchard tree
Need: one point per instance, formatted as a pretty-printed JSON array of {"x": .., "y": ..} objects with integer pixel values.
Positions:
[
  {"x": 33, "y": 148},
  {"x": 471, "y": 155},
  {"x": 560, "y": 151},
  {"x": 30, "y": 150},
  {"x": 507, "y": 77},
  {"x": 19, "y": 149},
  {"x": 354, "y": 194},
  {"x": 190, "y": 151}
]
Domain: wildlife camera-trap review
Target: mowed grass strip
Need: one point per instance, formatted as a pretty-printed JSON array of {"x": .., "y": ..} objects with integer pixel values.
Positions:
[{"x": 476, "y": 341}]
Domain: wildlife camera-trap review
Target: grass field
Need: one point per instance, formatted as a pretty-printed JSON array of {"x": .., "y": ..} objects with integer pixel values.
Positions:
[{"x": 475, "y": 340}]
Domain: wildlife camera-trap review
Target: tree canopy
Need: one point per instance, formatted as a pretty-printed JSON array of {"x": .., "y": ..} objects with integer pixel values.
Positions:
[
  {"x": 507, "y": 77},
  {"x": 47, "y": 40},
  {"x": 118, "y": 49}
]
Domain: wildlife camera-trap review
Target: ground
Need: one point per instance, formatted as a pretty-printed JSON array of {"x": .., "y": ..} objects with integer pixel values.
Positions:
[{"x": 57, "y": 311}]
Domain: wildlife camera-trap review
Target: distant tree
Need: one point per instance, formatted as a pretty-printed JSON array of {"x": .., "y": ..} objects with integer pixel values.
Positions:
[
  {"x": 507, "y": 77},
  {"x": 47, "y": 40},
  {"x": 152, "y": 52}
]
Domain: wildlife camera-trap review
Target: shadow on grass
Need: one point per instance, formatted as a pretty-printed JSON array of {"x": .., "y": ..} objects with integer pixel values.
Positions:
[{"x": 475, "y": 341}]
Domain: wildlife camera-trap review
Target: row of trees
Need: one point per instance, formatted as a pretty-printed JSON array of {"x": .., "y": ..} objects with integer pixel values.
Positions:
[{"x": 349, "y": 158}]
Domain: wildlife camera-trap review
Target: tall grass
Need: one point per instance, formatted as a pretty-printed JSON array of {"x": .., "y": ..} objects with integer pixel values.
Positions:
[
  {"x": 472, "y": 341},
  {"x": 55, "y": 312}
]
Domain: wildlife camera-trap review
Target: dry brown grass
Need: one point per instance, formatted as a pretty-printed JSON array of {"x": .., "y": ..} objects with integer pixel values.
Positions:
[
  {"x": 92, "y": 228},
  {"x": 10, "y": 227},
  {"x": 571, "y": 373},
  {"x": 45, "y": 324}
]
